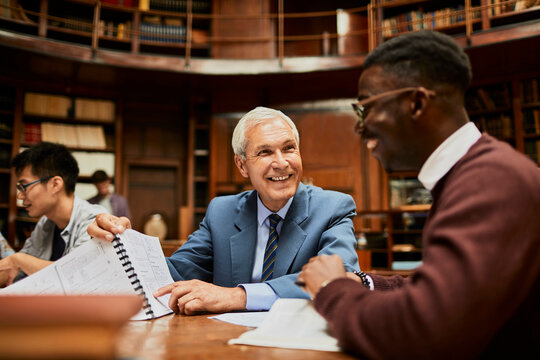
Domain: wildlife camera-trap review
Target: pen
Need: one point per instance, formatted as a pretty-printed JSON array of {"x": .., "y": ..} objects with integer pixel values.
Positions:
[{"x": 300, "y": 283}]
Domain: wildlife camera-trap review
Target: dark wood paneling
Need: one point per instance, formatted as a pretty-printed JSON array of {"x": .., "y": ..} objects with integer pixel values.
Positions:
[
  {"x": 252, "y": 28},
  {"x": 227, "y": 178},
  {"x": 154, "y": 189},
  {"x": 330, "y": 150}
]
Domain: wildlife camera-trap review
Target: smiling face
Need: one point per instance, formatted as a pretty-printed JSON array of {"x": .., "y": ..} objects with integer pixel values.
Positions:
[
  {"x": 273, "y": 162},
  {"x": 37, "y": 199},
  {"x": 388, "y": 130}
]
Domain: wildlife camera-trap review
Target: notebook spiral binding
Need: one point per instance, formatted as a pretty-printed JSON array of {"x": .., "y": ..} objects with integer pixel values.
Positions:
[{"x": 132, "y": 275}]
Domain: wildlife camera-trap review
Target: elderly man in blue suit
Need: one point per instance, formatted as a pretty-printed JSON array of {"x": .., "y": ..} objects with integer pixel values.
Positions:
[{"x": 251, "y": 246}]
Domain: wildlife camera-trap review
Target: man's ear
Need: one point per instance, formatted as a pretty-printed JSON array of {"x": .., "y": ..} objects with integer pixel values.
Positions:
[
  {"x": 240, "y": 164},
  {"x": 56, "y": 183},
  {"x": 419, "y": 102}
]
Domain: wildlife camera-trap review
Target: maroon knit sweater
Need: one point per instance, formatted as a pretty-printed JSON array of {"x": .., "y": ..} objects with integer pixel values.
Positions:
[{"x": 477, "y": 294}]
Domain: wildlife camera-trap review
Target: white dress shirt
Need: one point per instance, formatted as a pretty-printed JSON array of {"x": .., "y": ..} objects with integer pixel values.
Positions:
[{"x": 448, "y": 154}]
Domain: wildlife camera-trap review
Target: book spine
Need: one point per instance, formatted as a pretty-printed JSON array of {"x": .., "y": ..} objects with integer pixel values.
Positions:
[{"x": 132, "y": 275}]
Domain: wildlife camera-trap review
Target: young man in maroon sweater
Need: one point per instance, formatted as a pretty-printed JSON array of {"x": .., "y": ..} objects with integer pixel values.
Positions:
[{"x": 477, "y": 293}]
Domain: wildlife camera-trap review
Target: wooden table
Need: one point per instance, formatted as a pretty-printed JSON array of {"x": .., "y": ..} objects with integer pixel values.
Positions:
[{"x": 197, "y": 337}]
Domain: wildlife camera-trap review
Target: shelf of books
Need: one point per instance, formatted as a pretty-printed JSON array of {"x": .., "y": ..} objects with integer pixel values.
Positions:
[
  {"x": 394, "y": 236},
  {"x": 509, "y": 111},
  {"x": 399, "y": 16},
  {"x": 86, "y": 126},
  {"x": 126, "y": 25},
  {"x": 490, "y": 108},
  {"x": 403, "y": 16},
  {"x": 530, "y": 95},
  {"x": 201, "y": 161}
]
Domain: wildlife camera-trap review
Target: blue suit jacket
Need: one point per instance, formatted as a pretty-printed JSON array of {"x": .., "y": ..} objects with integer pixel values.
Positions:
[{"x": 222, "y": 250}]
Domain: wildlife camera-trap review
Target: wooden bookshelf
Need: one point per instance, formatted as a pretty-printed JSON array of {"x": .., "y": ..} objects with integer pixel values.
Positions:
[
  {"x": 530, "y": 113},
  {"x": 159, "y": 28},
  {"x": 394, "y": 17},
  {"x": 199, "y": 176},
  {"x": 510, "y": 111},
  {"x": 394, "y": 236},
  {"x": 67, "y": 115}
]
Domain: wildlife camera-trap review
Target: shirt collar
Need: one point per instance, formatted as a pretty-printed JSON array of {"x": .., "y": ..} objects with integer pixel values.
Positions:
[
  {"x": 447, "y": 154},
  {"x": 77, "y": 204},
  {"x": 263, "y": 212}
]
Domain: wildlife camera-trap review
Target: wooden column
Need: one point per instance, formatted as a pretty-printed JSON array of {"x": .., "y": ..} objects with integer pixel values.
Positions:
[
  {"x": 43, "y": 12},
  {"x": 95, "y": 27}
]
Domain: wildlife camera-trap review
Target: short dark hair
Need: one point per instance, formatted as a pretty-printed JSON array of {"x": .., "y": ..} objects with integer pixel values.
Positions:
[
  {"x": 425, "y": 58},
  {"x": 99, "y": 176},
  {"x": 48, "y": 159}
]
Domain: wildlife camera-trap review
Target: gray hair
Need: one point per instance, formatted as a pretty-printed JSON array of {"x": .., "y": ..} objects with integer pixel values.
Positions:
[{"x": 253, "y": 118}]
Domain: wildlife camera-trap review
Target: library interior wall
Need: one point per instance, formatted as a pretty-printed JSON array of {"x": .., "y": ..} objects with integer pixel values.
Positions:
[{"x": 155, "y": 102}]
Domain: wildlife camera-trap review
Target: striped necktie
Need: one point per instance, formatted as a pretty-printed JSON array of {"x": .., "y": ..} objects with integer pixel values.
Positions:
[{"x": 271, "y": 248}]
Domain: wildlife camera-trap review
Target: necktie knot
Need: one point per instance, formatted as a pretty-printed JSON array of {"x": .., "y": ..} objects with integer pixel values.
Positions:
[{"x": 274, "y": 220}]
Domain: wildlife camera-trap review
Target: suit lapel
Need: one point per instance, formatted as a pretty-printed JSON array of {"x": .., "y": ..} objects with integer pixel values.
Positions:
[
  {"x": 243, "y": 243},
  {"x": 292, "y": 235}
]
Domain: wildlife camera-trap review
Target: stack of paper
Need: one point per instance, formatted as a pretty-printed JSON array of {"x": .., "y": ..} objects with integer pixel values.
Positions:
[{"x": 293, "y": 324}]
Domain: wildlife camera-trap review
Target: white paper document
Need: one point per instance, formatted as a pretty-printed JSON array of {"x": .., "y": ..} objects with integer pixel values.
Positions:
[
  {"x": 293, "y": 324},
  {"x": 135, "y": 263},
  {"x": 252, "y": 319}
]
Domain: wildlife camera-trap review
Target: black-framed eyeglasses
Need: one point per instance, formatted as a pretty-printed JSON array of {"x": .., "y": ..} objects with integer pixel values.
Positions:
[
  {"x": 360, "y": 105},
  {"x": 22, "y": 188}
]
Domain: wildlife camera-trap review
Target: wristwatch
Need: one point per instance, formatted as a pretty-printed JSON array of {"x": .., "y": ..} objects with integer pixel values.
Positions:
[{"x": 363, "y": 277}]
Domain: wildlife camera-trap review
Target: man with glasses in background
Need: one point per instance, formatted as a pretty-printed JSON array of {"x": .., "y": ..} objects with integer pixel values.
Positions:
[
  {"x": 46, "y": 177},
  {"x": 477, "y": 293}
]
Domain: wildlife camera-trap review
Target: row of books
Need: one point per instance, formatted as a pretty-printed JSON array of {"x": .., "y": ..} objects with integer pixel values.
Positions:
[
  {"x": 197, "y": 6},
  {"x": 532, "y": 149},
  {"x": 72, "y": 22},
  {"x": 65, "y": 106},
  {"x": 73, "y": 136},
  {"x": 119, "y": 30},
  {"x": 418, "y": 20},
  {"x": 531, "y": 121},
  {"x": 530, "y": 90},
  {"x": 47, "y": 105},
  {"x": 498, "y": 125},
  {"x": 163, "y": 33},
  {"x": 488, "y": 98},
  {"x": 497, "y": 7},
  {"x": 171, "y": 27}
]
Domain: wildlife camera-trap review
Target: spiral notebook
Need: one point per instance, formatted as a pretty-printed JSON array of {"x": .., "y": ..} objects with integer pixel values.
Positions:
[{"x": 132, "y": 263}]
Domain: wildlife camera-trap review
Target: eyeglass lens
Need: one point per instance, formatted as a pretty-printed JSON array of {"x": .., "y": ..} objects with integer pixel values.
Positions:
[
  {"x": 359, "y": 110},
  {"x": 22, "y": 188}
]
